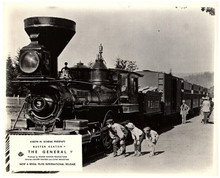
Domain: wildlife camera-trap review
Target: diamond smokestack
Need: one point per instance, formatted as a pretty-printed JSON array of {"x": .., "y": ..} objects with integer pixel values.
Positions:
[{"x": 54, "y": 33}]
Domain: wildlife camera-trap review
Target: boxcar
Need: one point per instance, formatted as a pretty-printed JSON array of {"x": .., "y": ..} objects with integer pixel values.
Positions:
[{"x": 168, "y": 85}]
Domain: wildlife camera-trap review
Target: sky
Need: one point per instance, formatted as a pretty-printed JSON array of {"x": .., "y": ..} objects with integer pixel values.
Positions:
[{"x": 158, "y": 36}]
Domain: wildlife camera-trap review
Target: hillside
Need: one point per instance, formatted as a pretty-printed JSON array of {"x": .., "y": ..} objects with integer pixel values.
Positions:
[{"x": 205, "y": 79}]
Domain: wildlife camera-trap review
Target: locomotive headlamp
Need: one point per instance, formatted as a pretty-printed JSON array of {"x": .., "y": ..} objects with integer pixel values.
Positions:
[{"x": 29, "y": 62}]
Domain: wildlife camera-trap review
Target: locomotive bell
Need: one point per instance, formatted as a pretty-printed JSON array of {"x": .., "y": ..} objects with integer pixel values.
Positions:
[
  {"x": 100, "y": 72},
  {"x": 49, "y": 36}
]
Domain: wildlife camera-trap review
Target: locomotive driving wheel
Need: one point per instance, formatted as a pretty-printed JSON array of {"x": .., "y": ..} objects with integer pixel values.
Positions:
[{"x": 105, "y": 138}]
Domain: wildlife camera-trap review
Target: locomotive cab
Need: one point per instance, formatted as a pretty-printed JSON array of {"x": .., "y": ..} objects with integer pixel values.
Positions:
[{"x": 128, "y": 89}]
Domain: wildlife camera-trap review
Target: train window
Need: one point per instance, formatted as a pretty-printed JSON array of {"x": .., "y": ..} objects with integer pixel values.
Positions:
[
  {"x": 124, "y": 83},
  {"x": 131, "y": 85},
  {"x": 150, "y": 104},
  {"x": 157, "y": 104},
  {"x": 115, "y": 77},
  {"x": 135, "y": 85}
]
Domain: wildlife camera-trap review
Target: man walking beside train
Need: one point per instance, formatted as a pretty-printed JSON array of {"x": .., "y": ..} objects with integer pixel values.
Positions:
[
  {"x": 118, "y": 134},
  {"x": 184, "y": 109},
  {"x": 205, "y": 109}
]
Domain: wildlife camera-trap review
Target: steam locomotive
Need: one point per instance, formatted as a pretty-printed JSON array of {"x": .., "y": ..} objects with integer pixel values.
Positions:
[{"x": 79, "y": 99}]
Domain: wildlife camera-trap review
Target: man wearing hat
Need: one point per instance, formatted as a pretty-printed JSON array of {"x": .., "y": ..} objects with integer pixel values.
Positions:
[
  {"x": 152, "y": 138},
  {"x": 138, "y": 137},
  {"x": 184, "y": 109},
  {"x": 205, "y": 109},
  {"x": 118, "y": 134}
]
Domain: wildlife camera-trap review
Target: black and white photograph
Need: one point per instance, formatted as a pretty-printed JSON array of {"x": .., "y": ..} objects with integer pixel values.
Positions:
[{"x": 109, "y": 88}]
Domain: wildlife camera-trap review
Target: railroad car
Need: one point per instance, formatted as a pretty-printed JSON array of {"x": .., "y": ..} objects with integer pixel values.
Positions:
[
  {"x": 173, "y": 90},
  {"x": 168, "y": 85}
]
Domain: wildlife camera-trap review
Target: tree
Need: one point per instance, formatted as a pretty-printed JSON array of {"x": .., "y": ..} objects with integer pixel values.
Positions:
[
  {"x": 13, "y": 88},
  {"x": 209, "y": 10},
  {"x": 205, "y": 79},
  {"x": 10, "y": 76},
  {"x": 125, "y": 65},
  {"x": 90, "y": 64}
]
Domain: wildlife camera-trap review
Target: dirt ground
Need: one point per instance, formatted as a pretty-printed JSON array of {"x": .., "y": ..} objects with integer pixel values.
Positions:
[{"x": 187, "y": 149}]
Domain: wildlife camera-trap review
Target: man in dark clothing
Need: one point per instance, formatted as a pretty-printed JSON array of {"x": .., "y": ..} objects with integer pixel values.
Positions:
[
  {"x": 211, "y": 107},
  {"x": 118, "y": 134}
]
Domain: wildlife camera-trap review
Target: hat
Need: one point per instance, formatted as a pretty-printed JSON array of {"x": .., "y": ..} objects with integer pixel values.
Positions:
[
  {"x": 130, "y": 125},
  {"x": 109, "y": 121},
  {"x": 206, "y": 98},
  {"x": 147, "y": 129}
]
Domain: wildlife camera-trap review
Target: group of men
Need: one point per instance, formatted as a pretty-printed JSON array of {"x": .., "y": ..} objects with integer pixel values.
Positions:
[
  {"x": 119, "y": 133},
  {"x": 207, "y": 106}
]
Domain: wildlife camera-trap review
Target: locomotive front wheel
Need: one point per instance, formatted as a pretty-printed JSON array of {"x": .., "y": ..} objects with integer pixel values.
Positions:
[{"x": 105, "y": 138}]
